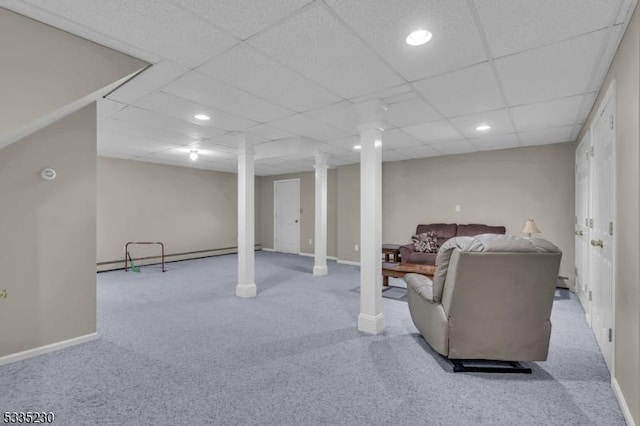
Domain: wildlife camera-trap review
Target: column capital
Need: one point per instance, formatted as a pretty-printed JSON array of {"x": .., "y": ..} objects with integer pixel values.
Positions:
[
  {"x": 369, "y": 126},
  {"x": 322, "y": 160},
  {"x": 245, "y": 142},
  {"x": 371, "y": 110}
]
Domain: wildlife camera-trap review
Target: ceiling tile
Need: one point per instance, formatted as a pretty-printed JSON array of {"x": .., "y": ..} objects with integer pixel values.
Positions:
[
  {"x": 392, "y": 155},
  {"x": 148, "y": 81},
  {"x": 456, "y": 42},
  {"x": 249, "y": 69},
  {"x": 156, "y": 120},
  {"x": 547, "y": 136},
  {"x": 515, "y": 25},
  {"x": 207, "y": 91},
  {"x": 341, "y": 115},
  {"x": 626, "y": 10},
  {"x": 230, "y": 139},
  {"x": 269, "y": 133},
  {"x": 455, "y": 147},
  {"x": 490, "y": 143},
  {"x": 466, "y": 91},
  {"x": 410, "y": 112},
  {"x": 346, "y": 144},
  {"x": 562, "y": 69},
  {"x": 346, "y": 159},
  {"x": 499, "y": 121},
  {"x": 334, "y": 149},
  {"x": 436, "y": 131},
  {"x": 305, "y": 126},
  {"x": 107, "y": 108},
  {"x": 243, "y": 18},
  {"x": 555, "y": 113},
  {"x": 613, "y": 41},
  {"x": 588, "y": 101},
  {"x": 316, "y": 44},
  {"x": 186, "y": 110},
  {"x": 385, "y": 94},
  {"x": 158, "y": 26},
  {"x": 422, "y": 151},
  {"x": 396, "y": 138}
]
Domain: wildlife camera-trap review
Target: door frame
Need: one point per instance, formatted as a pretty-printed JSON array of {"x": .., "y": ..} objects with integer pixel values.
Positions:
[
  {"x": 610, "y": 95},
  {"x": 275, "y": 210}
]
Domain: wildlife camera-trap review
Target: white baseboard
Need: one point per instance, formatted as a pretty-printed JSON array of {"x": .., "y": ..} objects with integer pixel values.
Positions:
[
  {"x": 348, "y": 262},
  {"x": 267, "y": 249},
  {"x": 623, "y": 402},
  {"x": 30, "y": 353},
  {"x": 306, "y": 254}
]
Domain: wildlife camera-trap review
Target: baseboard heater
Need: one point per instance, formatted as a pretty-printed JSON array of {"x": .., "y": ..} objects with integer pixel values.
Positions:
[{"x": 196, "y": 254}]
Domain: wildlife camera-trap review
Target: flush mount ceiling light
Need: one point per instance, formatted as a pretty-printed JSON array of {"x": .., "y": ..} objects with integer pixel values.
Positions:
[
  {"x": 483, "y": 127},
  {"x": 418, "y": 38},
  {"x": 357, "y": 147},
  {"x": 193, "y": 155},
  {"x": 202, "y": 117}
]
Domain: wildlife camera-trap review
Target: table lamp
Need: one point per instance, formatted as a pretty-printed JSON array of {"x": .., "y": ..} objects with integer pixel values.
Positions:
[{"x": 530, "y": 228}]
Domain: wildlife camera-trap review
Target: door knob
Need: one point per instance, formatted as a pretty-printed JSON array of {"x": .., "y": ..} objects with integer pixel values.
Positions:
[
  {"x": 296, "y": 220},
  {"x": 597, "y": 243},
  {"x": 579, "y": 233}
]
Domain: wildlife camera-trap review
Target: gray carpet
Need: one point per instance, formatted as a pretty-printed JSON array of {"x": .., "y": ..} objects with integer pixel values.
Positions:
[{"x": 179, "y": 348}]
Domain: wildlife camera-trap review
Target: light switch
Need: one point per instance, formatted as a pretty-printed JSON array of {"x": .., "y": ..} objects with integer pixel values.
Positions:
[{"x": 457, "y": 208}]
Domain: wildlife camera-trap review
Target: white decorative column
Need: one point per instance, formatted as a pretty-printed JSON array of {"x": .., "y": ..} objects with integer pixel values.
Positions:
[
  {"x": 371, "y": 318},
  {"x": 320, "y": 234},
  {"x": 246, "y": 221}
]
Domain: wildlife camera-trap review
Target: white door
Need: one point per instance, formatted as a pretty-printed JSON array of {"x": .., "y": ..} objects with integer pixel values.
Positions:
[
  {"x": 602, "y": 240},
  {"x": 582, "y": 230},
  {"x": 286, "y": 205}
]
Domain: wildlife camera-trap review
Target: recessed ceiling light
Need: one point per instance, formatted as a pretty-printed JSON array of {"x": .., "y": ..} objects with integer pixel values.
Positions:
[
  {"x": 193, "y": 155},
  {"x": 483, "y": 127},
  {"x": 357, "y": 147},
  {"x": 418, "y": 37},
  {"x": 202, "y": 117}
]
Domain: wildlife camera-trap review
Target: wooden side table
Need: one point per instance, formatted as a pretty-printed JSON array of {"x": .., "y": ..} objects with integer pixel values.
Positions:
[{"x": 391, "y": 251}]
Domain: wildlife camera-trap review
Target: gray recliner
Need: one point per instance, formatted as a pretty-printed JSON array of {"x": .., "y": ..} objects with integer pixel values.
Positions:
[{"x": 490, "y": 298}]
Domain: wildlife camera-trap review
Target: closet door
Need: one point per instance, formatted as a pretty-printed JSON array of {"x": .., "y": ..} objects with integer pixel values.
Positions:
[
  {"x": 582, "y": 230},
  {"x": 602, "y": 242}
]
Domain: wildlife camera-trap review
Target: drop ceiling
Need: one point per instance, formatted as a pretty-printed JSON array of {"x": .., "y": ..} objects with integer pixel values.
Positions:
[{"x": 280, "y": 69}]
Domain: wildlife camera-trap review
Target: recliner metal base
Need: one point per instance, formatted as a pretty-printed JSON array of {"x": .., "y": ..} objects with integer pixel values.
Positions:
[{"x": 510, "y": 367}]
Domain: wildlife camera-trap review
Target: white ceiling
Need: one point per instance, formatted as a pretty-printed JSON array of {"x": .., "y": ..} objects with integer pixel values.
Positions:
[{"x": 279, "y": 69}]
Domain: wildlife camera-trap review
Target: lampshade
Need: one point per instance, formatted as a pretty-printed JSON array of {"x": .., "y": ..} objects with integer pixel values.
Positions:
[{"x": 530, "y": 227}]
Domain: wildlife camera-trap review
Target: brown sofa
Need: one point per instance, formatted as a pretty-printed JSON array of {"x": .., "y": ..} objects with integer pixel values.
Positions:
[{"x": 444, "y": 231}]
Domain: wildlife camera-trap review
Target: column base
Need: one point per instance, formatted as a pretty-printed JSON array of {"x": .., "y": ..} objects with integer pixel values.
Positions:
[
  {"x": 246, "y": 290},
  {"x": 319, "y": 271},
  {"x": 371, "y": 324}
]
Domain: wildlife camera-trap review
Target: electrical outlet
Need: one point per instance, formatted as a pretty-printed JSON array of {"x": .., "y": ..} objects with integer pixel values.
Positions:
[
  {"x": 356, "y": 248},
  {"x": 3, "y": 294},
  {"x": 457, "y": 208},
  {"x": 310, "y": 241}
]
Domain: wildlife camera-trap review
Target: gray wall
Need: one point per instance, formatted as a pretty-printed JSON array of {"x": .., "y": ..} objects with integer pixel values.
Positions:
[
  {"x": 48, "y": 235},
  {"x": 348, "y": 213},
  {"x": 497, "y": 188},
  {"x": 187, "y": 209},
  {"x": 626, "y": 71},
  {"x": 264, "y": 219},
  {"x": 44, "y": 69}
]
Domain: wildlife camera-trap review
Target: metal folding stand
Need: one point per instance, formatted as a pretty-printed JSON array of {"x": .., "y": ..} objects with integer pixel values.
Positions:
[{"x": 126, "y": 251}]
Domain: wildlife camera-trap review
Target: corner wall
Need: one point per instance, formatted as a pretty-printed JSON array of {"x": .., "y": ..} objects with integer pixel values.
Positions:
[
  {"x": 625, "y": 70},
  {"x": 264, "y": 218},
  {"x": 496, "y": 188},
  {"x": 189, "y": 210},
  {"x": 48, "y": 235}
]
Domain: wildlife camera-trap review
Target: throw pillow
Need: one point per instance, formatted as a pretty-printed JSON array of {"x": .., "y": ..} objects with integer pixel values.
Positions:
[{"x": 426, "y": 243}]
